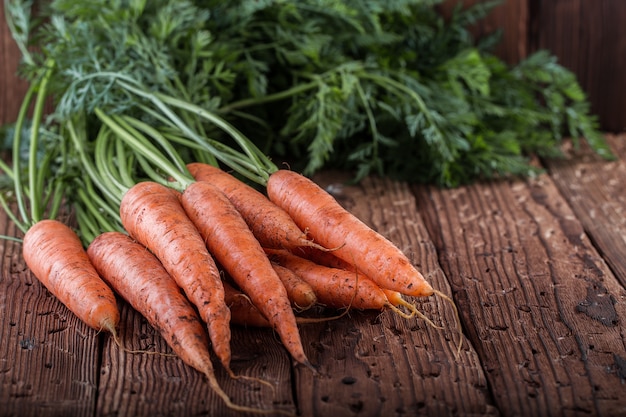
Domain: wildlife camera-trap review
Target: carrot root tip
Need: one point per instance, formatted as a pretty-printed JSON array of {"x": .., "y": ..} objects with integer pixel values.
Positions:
[
  {"x": 222, "y": 394},
  {"x": 251, "y": 378},
  {"x": 323, "y": 248},
  {"x": 428, "y": 321},
  {"x": 118, "y": 342},
  {"x": 457, "y": 317},
  {"x": 412, "y": 310},
  {"x": 310, "y": 366}
]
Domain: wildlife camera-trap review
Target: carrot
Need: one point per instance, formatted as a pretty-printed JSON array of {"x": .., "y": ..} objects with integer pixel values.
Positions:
[
  {"x": 336, "y": 288},
  {"x": 153, "y": 215},
  {"x": 271, "y": 225},
  {"x": 242, "y": 311},
  {"x": 55, "y": 255},
  {"x": 234, "y": 246},
  {"x": 140, "y": 278},
  {"x": 300, "y": 293},
  {"x": 332, "y": 226},
  {"x": 326, "y": 258},
  {"x": 330, "y": 260}
]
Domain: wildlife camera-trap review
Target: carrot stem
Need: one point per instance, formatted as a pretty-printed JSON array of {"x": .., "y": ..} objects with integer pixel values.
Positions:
[
  {"x": 159, "y": 138},
  {"x": 104, "y": 161},
  {"x": 9, "y": 212},
  {"x": 262, "y": 164},
  {"x": 124, "y": 162},
  {"x": 36, "y": 209},
  {"x": 17, "y": 145},
  {"x": 141, "y": 145},
  {"x": 269, "y": 97},
  {"x": 104, "y": 183}
]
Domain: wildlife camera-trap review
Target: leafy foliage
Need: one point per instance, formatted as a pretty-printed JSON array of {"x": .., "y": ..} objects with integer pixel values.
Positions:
[{"x": 376, "y": 86}]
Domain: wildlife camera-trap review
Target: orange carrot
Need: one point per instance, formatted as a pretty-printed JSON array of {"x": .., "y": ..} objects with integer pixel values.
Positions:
[
  {"x": 299, "y": 291},
  {"x": 330, "y": 260},
  {"x": 326, "y": 258},
  {"x": 55, "y": 255},
  {"x": 234, "y": 246},
  {"x": 270, "y": 224},
  {"x": 242, "y": 311},
  {"x": 336, "y": 288},
  {"x": 153, "y": 215},
  {"x": 332, "y": 226},
  {"x": 140, "y": 278}
]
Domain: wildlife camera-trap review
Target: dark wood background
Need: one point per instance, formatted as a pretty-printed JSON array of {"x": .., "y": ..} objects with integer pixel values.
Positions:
[{"x": 587, "y": 36}]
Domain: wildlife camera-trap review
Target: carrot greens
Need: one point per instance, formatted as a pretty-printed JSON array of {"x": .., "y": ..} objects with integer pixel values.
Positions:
[{"x": 392, "y": 88}]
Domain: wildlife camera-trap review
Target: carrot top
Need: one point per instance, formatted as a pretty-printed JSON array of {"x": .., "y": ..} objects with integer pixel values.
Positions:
[{"x": 39, "y": 179}]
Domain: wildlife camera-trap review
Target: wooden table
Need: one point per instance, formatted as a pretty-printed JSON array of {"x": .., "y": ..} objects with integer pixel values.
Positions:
[{"x": 536, "y": 267}]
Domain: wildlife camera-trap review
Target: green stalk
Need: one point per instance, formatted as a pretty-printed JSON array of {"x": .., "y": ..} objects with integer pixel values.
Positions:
[
  {"x": 105, "y": 185},
  {"x": 56, "y": 190},
  {"x": 93, "y": 208},
  {"x": 257, "y": 101},
  {"x": 141, "y": 145},
  {"x": 43, "y": 177},
  {"x": 33, "y": 181},
  {"x": 4, "y": 167},
  {"x": 207, "y": 149},
  {"x": 15, "y": 219},
  {"x": 104, "y": 163},
  {"x": 17, "y": 144},
  {"x": 152, "y": 173},
  {"x": 123, "y": 156},
  {"x": 228, "y": 155},
  {"x": 97, "y": 212},
  {"x": 263, "y": 164},
  {"x": 209, "y": 152},
  {"x": 86, "y": 225},
  {"x": 100, "y": 205},
  {"x": 92, "y": 220},
  {"x": 370, "y": 117},
  {"x": 160, "y": 140}
]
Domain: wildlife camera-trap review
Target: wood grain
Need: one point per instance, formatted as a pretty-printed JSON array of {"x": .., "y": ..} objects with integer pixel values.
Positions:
[
  {"x": 589, "y": 38},
  {"x": 49, "y": 359},
  {"x": 511, "y": 18},
  {"x": 596, "y": 191},
  {"x": 380, "y": 364},
  {"x": 140, "y": 384},
  {"x": 538, "y": 301},
  {"x": 12, "y": 88}
]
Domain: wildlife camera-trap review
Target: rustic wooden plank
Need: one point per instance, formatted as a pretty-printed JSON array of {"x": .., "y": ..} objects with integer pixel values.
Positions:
[
  {"x": 596, "y": 191},
  {"x": 48, "y": 358},
  {"x": 539, "y": 303},
  {"x": 511, "y": 17},
  {"x": 11, "y": 86},
  {"x": 589, "y": 38},
  {"x": 379, "y": 364},
  {"x": 139, "y": 384}
]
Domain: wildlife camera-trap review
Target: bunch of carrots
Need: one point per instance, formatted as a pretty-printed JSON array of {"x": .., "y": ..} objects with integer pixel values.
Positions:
[{"x": 151, "y": 223}]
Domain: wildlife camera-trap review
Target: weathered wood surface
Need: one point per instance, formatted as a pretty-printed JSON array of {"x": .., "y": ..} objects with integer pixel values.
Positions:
[
  {"x": 12, "y": 88},
  {"x": 535, "y": 266},
  {"x": 539, "y": 303}
]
